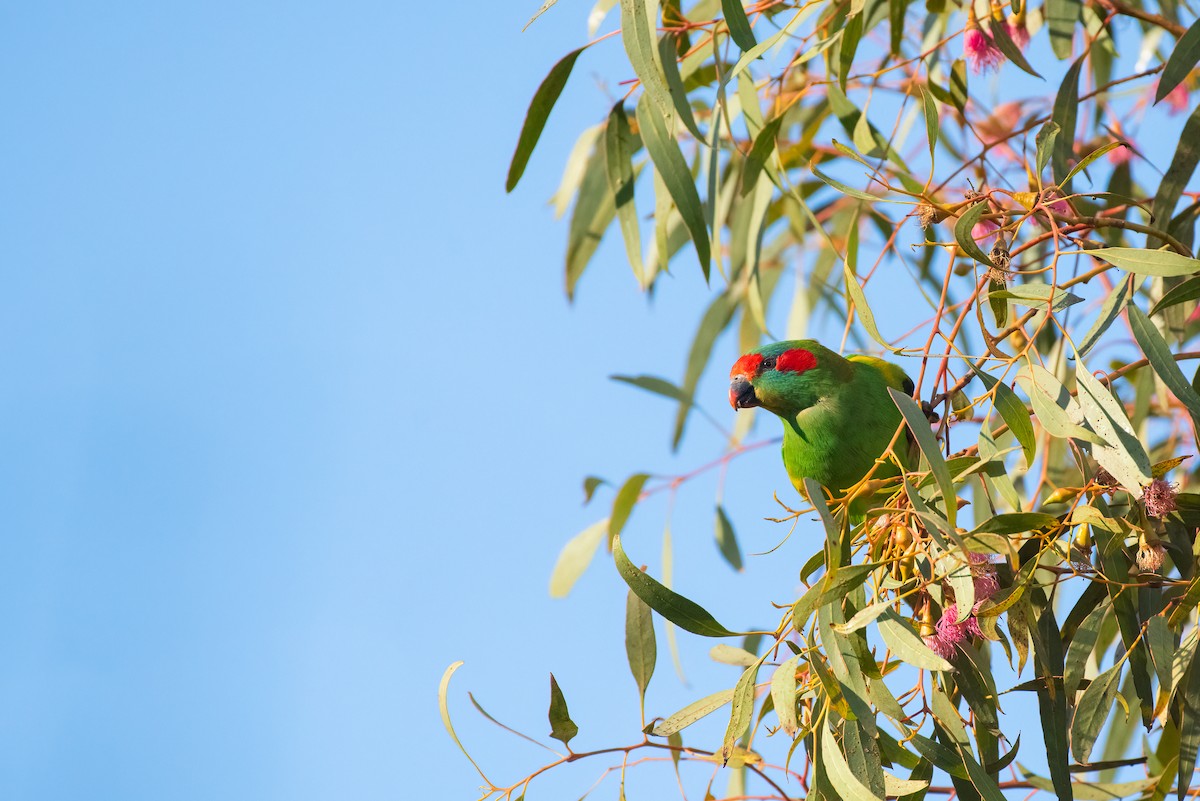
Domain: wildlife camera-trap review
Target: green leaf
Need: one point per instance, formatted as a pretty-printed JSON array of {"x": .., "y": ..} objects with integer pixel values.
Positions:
[
  {"x": 1003, "y": 39},
  {"x": 545, "y": 7},
  {"x": 1014, "y": 523},
  {"x": 849, "y": 191},
  {"x": 444, "y": 710},
  {"x": 832, "y": 587},
  {"x": 539, "y": 110},
  {"x": 640, "y": 646},
  {"x": 783, "y": 694},
  {"x": 940, "y": 756},
  {"x": 561, "y": 726},
  {"x": 1052, "y": 701},
  {"x": 593, "y": 212},
  {"x": 1066, "y": 107},
  {"x": 659, "y": 386},
  {"x": 1038, "y": 295},
  {"x": 1123, "y": 456},
  {"x": 964, "y": 237},
  {"x": 590, "y": 485},
  {"x": 1081, "y": 648},
  {"x": 1161, "y": 359},
  {"x": 691, "y": 713},
  {"x": 764, "y": 145},
  {"x": 852, "y": 33},
  {"x": 907, "y": 645},
  {"x": 1090, "y": 157},
  {"x": 839, "y": 772},
  {"x": 574, "y": 558},
  {"x": 1014, "y": 413},
  {"x": 686, "y": 614},
  {"x": 1046, "y": 137},
  {"x": 1092, "y": 710},
  {"x": 741, "y": 710},
  {"x": 766, "y": 44},
  {"x": 739, "y": 24},
  {"x": 1147, "y": 262},
  {"x": 619, "y": 146},
  {"x": 865, "y": 315},
  {"x": 932, "y": 125},
  {"x": 919, "y": 425},
  {"x": 1061, "y": 18},
  {"x": 958, "y": 84},
  {"x": 1181, "y": 62},
  {"x": 1189, "y": 739},
  {"x": 983, "y": 781},
  {"x": 670, "y": 68},
  {"x": 726, "y": 540},
  {"x": 627, "y": 498},
  {"x": 1183, "y": 164},
  {"x": 1188, "y": 290},
  {"x": 668, "y": 160},
  {"x": 638, "y": 35},
  {"x": 1109, "y": 312},
  {"x": 731, "y": 655}
]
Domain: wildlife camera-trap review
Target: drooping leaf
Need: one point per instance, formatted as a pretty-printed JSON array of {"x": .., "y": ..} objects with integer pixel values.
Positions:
[
  {"x": 539, "y": 110},
  {"x": 783, "y": 693},
  {"x": 1162, "y": 360},
  {"x": 1092, "y": 710},
  {"x": 919, "y": 425},
  {"x": 668, "y": 160},
  {"x": 716, "y": 319},
  {"x": 444, "y": 710},
  {"x": 739, "y": 24},
  {"x": 574, "y": 558},
  {"x": 1066, "y": 107},
  {"x": 1061, "y": 18},
  {"x": 741, "y": 709},
  {"x": 684, "y": 613},
  {"x": 1010, "y": 49},
  {"x": 839, "y": 771},
  {"x": 562, "y": 728},
  {"x": 1110, "y": 310},
  {"x": 1189, "y": 739},
  {"x": 1182, "y": 61},
  {"x": 640, "y": 645},
  {"x": 1181, "y": 293},
  {"x": 622, "y": 508},
  {"x": 591, "y": 216},
  {"x": 907, "y": 645},
  {"x": 1052, "y": 701},
  {"x": 1046, "y": 137},
  {"x": 1124, "y": 456},
  {"x": 1014, "y": 413},
  {"x": 727, "y": 541},
  {"x": 964, "y": 236},
  {"x": 619, "y": 146},
  {"x": 638, "y": 35},
  {"x": 1081, "y": 648},
  {"x": 691, "y": 713}
]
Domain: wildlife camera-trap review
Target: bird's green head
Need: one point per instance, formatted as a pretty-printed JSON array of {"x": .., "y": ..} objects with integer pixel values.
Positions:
[{"x": 785, "y": 377}]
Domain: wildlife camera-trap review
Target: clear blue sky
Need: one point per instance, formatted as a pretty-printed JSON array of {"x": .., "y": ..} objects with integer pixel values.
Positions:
[{"x": 296, "y": 414}]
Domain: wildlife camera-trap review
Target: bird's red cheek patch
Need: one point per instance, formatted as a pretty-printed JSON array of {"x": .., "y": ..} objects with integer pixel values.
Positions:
[
  {"x": 796, "y": 360},
  {"x": 747, "y": 365}
]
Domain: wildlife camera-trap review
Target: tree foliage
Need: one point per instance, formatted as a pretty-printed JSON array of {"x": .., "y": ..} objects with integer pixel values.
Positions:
[{"x": 1054, "y": 265}]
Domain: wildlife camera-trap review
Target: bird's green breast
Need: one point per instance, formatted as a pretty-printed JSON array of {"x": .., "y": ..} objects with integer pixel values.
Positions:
[{"x": 836, "y": 441}]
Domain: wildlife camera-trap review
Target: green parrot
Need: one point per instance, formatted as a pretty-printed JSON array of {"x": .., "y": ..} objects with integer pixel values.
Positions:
[{"x": 837, "y": 415}]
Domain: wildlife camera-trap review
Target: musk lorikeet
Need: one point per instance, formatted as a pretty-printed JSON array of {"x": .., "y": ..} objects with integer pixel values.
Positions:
[{"x": 837, "y": 415}]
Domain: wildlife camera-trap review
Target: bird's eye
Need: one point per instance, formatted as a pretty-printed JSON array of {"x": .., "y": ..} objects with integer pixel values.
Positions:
[{"x": 768, "y": 363}]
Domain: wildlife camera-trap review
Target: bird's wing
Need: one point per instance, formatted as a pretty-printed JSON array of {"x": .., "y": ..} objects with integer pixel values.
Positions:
[{"x": 893, "y": 375}]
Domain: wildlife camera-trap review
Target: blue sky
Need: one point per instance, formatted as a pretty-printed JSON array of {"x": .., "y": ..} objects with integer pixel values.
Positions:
[{"x": 296, "y": 412}]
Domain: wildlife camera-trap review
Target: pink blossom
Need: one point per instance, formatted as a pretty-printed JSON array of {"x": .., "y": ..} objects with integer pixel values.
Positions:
[
  {"x": 1055, "y": 202},
  {"x": 984, "y": 574},
  {"x": 1177, "y": 99},
  {"x": 981, "y": 51},
  {"x": 953, "y": 632},
  {"x": 1019, "y": 33},
  {"x": 1159, "y": 497},
  {"x": 1120, "y": 155},
  {"x": 984, "y": 230},
  {"x": 940, "y": 647}
]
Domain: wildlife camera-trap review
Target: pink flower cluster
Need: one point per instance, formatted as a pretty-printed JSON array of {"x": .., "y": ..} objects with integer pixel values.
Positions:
[
  {"x": 950, "y": 634},
  {"x": 1159, "y": 497},
  {"x": 981, "y": 51}
]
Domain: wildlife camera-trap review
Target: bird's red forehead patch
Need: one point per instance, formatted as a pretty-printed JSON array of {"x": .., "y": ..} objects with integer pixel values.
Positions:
[
  {"x": 796, "y": 360},
  {"x": 747, "y": 365}
]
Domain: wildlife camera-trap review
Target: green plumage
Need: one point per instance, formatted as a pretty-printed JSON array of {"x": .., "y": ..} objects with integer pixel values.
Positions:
[{"x": 837, "y": 415}]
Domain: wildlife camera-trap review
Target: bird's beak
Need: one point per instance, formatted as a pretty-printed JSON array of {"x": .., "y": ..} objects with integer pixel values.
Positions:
[{"x": 741, "y": 393}]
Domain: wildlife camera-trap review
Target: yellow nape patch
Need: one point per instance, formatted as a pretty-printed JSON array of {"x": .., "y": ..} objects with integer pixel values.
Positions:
[{"x": 891, "y": 373}]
